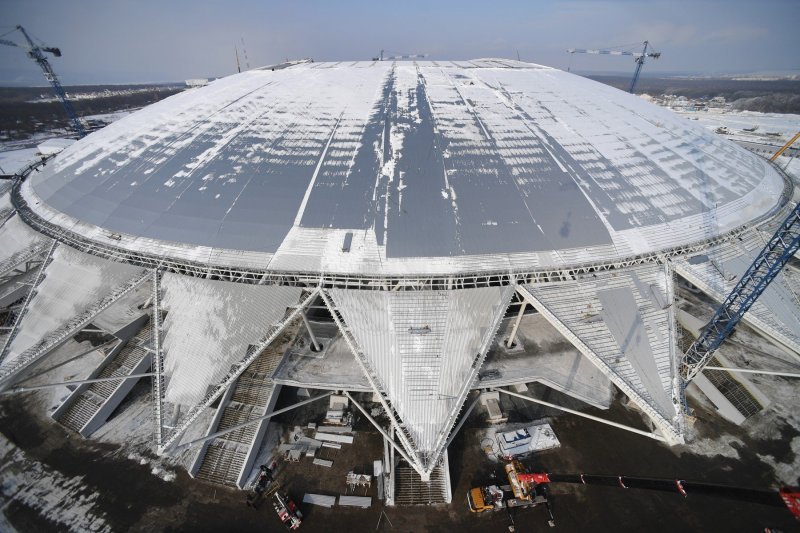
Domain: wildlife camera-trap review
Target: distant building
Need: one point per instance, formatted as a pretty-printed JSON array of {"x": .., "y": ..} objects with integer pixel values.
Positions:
[{"x": 197, "y": 82}]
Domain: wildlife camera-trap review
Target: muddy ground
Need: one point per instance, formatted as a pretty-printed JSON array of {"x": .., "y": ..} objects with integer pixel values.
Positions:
[{"x": 132, "y": 498}]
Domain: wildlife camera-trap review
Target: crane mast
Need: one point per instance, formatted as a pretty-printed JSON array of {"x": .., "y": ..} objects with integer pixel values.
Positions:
[
  {"x": 639, "y": 65},
  {"x": 639, "y": 58},
  {"x": 766, "y": 267},
  {"x": 36, "y": 53}
]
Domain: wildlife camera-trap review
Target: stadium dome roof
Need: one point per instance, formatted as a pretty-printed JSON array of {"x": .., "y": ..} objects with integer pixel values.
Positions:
[
  {"x": 386, "y": 168},
  {"x": 416, "y": 202}
]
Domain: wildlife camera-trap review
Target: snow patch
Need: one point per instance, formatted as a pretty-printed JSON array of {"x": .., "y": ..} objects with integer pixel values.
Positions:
[{"x": 61, "y": 499}]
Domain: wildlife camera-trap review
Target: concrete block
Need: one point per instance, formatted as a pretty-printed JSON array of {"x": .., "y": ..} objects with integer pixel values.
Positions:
[{"x": 486, "y": 396}]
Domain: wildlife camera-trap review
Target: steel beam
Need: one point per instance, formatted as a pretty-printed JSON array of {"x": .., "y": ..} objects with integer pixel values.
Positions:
[
  {"x": 584, "y": 415},
  {"x": 256, "y": 420},
  {"x": 670, "y": 432},
  {"x": 512, "y": 338},
  {"x": 385, "y": 435},
  {"x": 77, "y": 382},
  {"x": 236, "y": 371}
]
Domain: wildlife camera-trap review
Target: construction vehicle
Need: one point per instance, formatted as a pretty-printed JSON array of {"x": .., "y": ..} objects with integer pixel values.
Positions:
[
  {"x": 36, "y": 53},
  {"x": 523, "y": 490},
  {"x": 288, "y": 513},
  {"x": 266, "y": 487},
  {"x": 530, "y": 489}
]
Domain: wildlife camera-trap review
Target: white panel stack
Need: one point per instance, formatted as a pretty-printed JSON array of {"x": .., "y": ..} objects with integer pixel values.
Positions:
[
  {"x": 16, "y": 239},
  {"x": 73, "y": 282},
  {"x": 624, "y": 320},
  {"x": 421, "y": 346},
  {"x": 208, "y": 327},
  {"x": 776, "y": 313}
]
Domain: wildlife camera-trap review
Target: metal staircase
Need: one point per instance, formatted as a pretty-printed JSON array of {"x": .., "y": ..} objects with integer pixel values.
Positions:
[
  {"x": 224, "y": 460},
  {"x": 90, "y": 405},
  {"x": 411, "y": 490}
]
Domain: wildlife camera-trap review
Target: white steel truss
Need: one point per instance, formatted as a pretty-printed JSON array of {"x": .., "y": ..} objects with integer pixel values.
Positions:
[
  {"x": 11, "y": 369},
  {"x": 169, "y": 440},
  {"x": 209, "y": 270},
  {"x": 421, "y": 352},
  {"x": 634, "y": 347}
]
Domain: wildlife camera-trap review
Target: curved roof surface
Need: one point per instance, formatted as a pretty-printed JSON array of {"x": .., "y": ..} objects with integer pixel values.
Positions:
[{"x": 432, "y": 166}]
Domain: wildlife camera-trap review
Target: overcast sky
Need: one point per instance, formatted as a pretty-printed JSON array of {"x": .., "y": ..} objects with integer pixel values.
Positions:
[{"x": 115, "y": 41}]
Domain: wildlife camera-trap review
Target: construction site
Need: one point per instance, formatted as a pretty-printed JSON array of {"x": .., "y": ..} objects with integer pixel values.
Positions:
[{"x": 399, "y": 294}]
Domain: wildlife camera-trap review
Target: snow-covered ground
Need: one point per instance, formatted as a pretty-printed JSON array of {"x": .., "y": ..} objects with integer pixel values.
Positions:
[
  {"x": 781, "y": 417},
  {"x": 784, "y": 123},
  {"x": 15, "y": 160},
  {"x": 111, "y": 117},
  {"x": 62, "y": 499}
]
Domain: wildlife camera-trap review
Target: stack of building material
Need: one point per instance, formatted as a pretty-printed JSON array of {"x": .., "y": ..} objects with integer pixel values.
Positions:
[
  {"x": 320, "y": 499},
  {"x": 355, "y": 501}
]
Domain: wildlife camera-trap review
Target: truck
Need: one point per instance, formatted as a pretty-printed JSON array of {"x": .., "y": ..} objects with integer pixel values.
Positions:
[
  {"x": 288, "y": 513},
  {"x": 526, "y": 489},
  {"x": 523, "y": 490}
]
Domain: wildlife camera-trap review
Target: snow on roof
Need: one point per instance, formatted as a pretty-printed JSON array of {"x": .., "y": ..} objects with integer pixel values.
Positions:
[
  {"x": 434, "y": 166},
  {"x": 209, "y": 326},
  {"x": 422, "y": 347},
  {"x": 73, "y": 282},
  {"x": 54, "y": 146},
  {"x": 625, "y": 321},
  {"x": 125, "y": 310},
  {"x": 16, "y": 240}
]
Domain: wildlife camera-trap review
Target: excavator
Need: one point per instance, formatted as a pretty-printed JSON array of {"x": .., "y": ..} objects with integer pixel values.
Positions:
[{"x": 527, "y": 489}]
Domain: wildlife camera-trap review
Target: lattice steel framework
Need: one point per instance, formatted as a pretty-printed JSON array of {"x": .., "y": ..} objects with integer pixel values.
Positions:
[
  {"x": 167, "y": 441},
  {"x": 461, "y": 280},
  {"x": 63, "y": 333},
  {"x": 775, "y": 254}
]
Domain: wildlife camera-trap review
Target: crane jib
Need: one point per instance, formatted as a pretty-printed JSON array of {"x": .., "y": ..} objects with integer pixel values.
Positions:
[
  {"x": 36, "y": 53},
  {"x": 786, "y": 497}
]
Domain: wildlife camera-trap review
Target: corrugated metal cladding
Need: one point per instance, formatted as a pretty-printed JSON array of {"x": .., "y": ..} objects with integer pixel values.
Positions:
[
  {"x": 208, "y": 327},
  {"x": 420, "y": 346},
  {"x": 434, "y": 159},
  {"x": 72, "y": 283},
  {"x": 623, "y": 318}
]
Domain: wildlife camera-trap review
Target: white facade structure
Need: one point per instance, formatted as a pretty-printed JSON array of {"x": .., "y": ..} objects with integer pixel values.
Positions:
[{"x": 414, "y": 200}]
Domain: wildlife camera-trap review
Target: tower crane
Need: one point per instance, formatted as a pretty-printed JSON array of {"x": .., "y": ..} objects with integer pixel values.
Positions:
[
  {"x": 36, "y": 53},
  {"x": 766, "y": 267},
  {"x": 638, "y": 57}
]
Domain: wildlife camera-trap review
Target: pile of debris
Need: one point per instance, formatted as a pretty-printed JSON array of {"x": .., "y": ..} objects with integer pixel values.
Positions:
[{"x": 310, "y": 440}]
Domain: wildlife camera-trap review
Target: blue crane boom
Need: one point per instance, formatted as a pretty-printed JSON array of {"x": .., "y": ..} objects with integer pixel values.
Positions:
[
  {"x": 638, "y": 57},
  {"x": 772, "y": 258},
  {"x": 36, "y": 53}
]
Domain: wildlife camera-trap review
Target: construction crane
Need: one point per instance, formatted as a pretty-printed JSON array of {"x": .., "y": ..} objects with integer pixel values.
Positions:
[
  {"x": 36, "y": 53},
  {"x": 785, "y": 147},
  {"x": 638, "y": 57},
  {"x": 526, "y": 489},
  {"x": 772, "y": 258}
]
